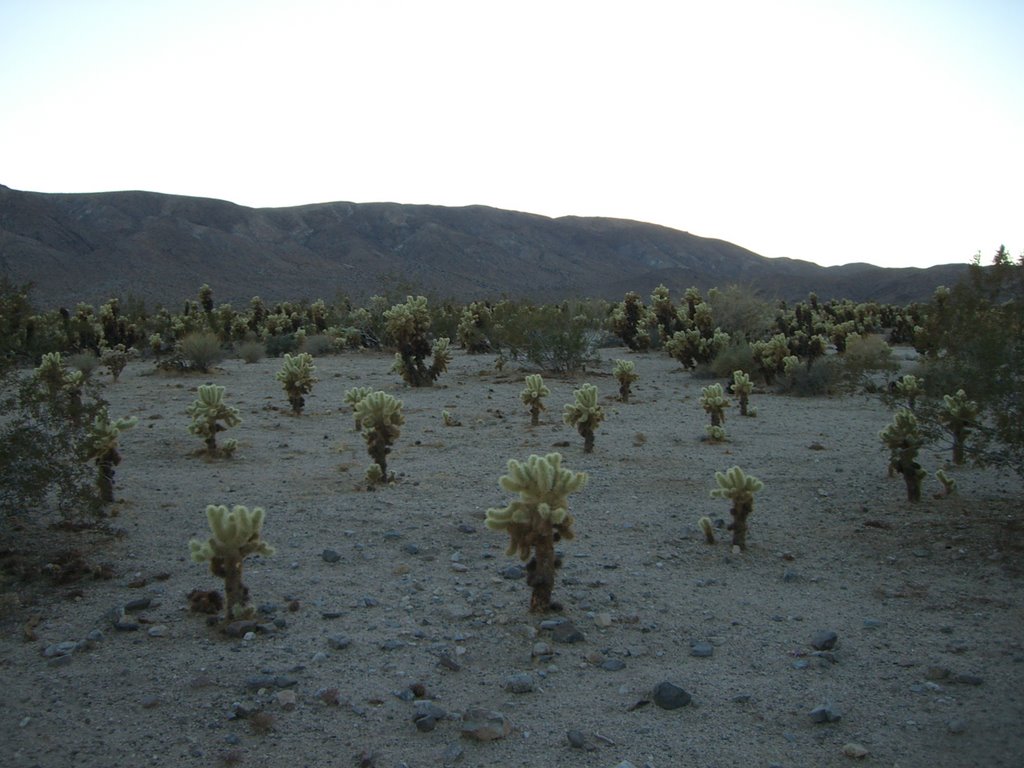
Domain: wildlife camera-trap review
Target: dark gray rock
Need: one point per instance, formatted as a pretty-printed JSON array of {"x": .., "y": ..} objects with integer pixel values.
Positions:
[
  {"x": 330, "y": 556},
  {"x": 520, "y": 682},
  {"x": 670, "y": 696},
  {"x": 513, "y": 572},
  {"x": 566, "y": 633},
  {"x": 138, "y": 604},
  {"x": 338, "y": 642},
  {"x": 701, "y": 649},
  {"x": 613, "y": 665},
  {"x": 825, "y": 713},
  {"x": 485, "y": 725}
]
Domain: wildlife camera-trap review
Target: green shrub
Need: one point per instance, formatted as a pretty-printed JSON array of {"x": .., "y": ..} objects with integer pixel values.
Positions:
[
  {"x": 318, "y": 345},
  {"x": 738, "y": 355},
  {"x": 250, "y": 351},
  {"x": 281, "y": 344},
  {"x": 86, "y": 362},
  {"x": 199, "y": 351}
]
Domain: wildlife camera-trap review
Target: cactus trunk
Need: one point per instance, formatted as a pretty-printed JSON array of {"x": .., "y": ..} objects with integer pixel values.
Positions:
[
  {"x": 541, "y": 571},
  {"x": 743, "y": 404},
  {"x": 958, "y": 449},
  {"x": 535, "y": 414},
  {"x": 588, "y": 439},
  {"x": 740, "y": 511},
  {"x": 105, "y": 474},
  {"x": 236, "y": 595}
]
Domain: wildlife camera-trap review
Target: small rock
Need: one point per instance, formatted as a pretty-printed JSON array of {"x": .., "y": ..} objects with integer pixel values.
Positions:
[
  {"x": 451, "y": 755},
  {"x": 613, "y": 665},
  {"x": 485, "y": 725},
  {"x": 520, "y": 682},
  {"x": 603, "y": 620},
  {"x": 338, "y": 642},
  {"x": 566, "y": 633},
  {"x": 541, "y": 649},
  {"x": 965, "y": 679},
  {"x": 466, "y": 528},
  {"x": 60, "y": 649},
  {"x": 158, "y": 630},
  {"x": 825, "y": 713},
  {"x": 577, "y": 740},
  {"x": 956, "y": 725},
  {"x": 330, "y": 556},
  {"x": 240, "y": 628},
  {"x": 855, "y": 750},
  {"x": 701, "y": 649},
  {"x": 670, "y": 696},
  {"x": 824, "y": 640},
  {"x": 287, "y": 700},
  {"x": 512, "y": 572},
  {"x": 138, "y": 604},
  {"x": 148, "y": 702}
]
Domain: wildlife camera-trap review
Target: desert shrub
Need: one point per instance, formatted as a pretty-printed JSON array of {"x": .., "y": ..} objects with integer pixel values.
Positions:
[
  {"x": 199, "y": 351},
  {"x": 864, "y": 356},
  {"x": 250, "y": 351},
  {"x": 738, "y": 355},
  {"x": 558, "y": 338},
  {"x": 280, "y": 344},
  {"x": 44, "y": 442},
  {"x": 822, "y": 378},
  {"x": 87, "y": 362},
  {"x": 739, "y": 312},
  {"x": 972, "y": 337},
  {"x": 318, "y": 345}
]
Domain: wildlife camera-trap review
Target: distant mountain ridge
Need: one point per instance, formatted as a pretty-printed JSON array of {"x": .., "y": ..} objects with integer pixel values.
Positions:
[{"x": 161, "y": 248}]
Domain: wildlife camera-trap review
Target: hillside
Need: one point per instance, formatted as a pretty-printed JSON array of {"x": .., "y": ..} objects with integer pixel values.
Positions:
[{"x": 161, "y": 248}]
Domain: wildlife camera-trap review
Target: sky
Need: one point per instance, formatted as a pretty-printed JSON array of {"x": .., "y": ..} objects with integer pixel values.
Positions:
[{"x": 834, "y": 131}]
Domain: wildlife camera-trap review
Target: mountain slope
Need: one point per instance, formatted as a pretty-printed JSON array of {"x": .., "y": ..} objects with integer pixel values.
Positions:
[{"x": 161, "y": 248}]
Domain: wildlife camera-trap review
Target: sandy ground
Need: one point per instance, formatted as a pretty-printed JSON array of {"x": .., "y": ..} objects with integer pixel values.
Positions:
[{"x": 925, "y": 599}]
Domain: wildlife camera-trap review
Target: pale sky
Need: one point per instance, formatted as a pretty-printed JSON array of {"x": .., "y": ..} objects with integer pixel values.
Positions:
[{"x": 885, "y": 131}]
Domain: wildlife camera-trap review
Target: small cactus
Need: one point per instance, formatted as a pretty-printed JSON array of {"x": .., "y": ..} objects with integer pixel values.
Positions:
[
  {"x": 236, "y": 535},
  {"x": 450, "y": 420},
  {"x": 584, "y": 414},
  {"x": 948, "y": 484},
  {"x": 707, "y": 528},
  {"x": 102, "y": 448},
  {"x": 296, "y": 376},
  {"x": 533, "y": 396},
  {"x": 713, "y": 400},
  {"x": 625, "y": 372},
  {"x": 715, "y": 433},
  {"x": 742, "y": 386},
  {"x": 352, "y": 398},
  {"x": 381, "y": 417},
  {"x": 537, "y": 519},
  {"x": 958, "y": 415},
  {"x": 903, "y": 441},
  {"x": 740, "y": 488},
  {"x": 909, "y": 387},
  {"x": 207, "y": 412}
]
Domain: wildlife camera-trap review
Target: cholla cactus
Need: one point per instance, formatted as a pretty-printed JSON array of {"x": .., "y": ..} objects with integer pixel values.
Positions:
[
  {"x": 352, "y": 398},
  {"x": 625, "y": 372},
  {"x": 236, "y": 535},
  {"x": 740, "y": 488},
  {"x": 51, "y": 373},
  {"x": 909, "y": 387},
  {"x": 631, "y": 321},
  {"x": 101, "y": 447},
  {"x": 296, "y": 376},
  {"x": 713, "y": 400},
  {"x": 742, "y": 387},
  {"x": 903, "y": 441},
  {"x": 63, "y": 387},
  {"x": 450, "y": 420},
  {"x": 948, "y": 484},
  {"x": 790, "y": 365},
  {"x": 715, "y": 433},
  {"x": 115, "y": 358},
  {"x": 409, "y": 325},
  {"x": 770, "y": 356},
  {"x": 534, "y": 395},
  {"x": 707, "y": 528},
  {"x": 584, "y": 414},
  {"x": 207, "y": 413},
  {"x": 958, "y": 415},
  {"x": 381, "y": 417},
  {"x": 537, "y": 519}
]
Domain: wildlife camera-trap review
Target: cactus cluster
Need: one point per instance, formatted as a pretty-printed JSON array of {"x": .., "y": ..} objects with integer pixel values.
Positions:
[
  {"x": 537, "y": 519},
  {"x": 742, "y": 386},
  {"x": 585, "y": 414},
  {"x": 352, "y": 398},
  {"x": 408, "y": 325},
  {"x": 958, "y": 415},
  {"x": 714, "y": 401}
]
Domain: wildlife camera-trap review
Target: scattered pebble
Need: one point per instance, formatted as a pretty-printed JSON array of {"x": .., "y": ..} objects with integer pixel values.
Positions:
[
  {"x": 956, "y": 725},
  {"x": 825, "y": 713},
  {"x": 485, "y": 725},
  {"x": 855, "y": 750},
  {"x": 566, "y": 633},
  {"x": 824, "y": 640},
  {"x": 701, "y": 649},
  {"x": 330, "y": 556},
  {"x": 520, "y": 682}
]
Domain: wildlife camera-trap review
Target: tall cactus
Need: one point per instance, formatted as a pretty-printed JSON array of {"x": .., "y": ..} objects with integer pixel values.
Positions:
[
  {"x": 537, "y": 519},
  {"x": 958, "y": 415},
  {"x": 533, "y": 396},
  {"x": 102, "y": 448},
  {"x": 236, "y": 535},
  {"x": 381, "y": 417},
  {"x": 903, "y": 440},
  {"x": 740, "y": 488},
  {"x": 625, "y": 373},
  {"x": 296, "y": 376},
  {"x": 742, "y": 386}
]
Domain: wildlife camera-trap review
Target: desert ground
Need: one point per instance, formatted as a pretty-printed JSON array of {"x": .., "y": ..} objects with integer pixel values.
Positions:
[{"x": 378, "y": 602}]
